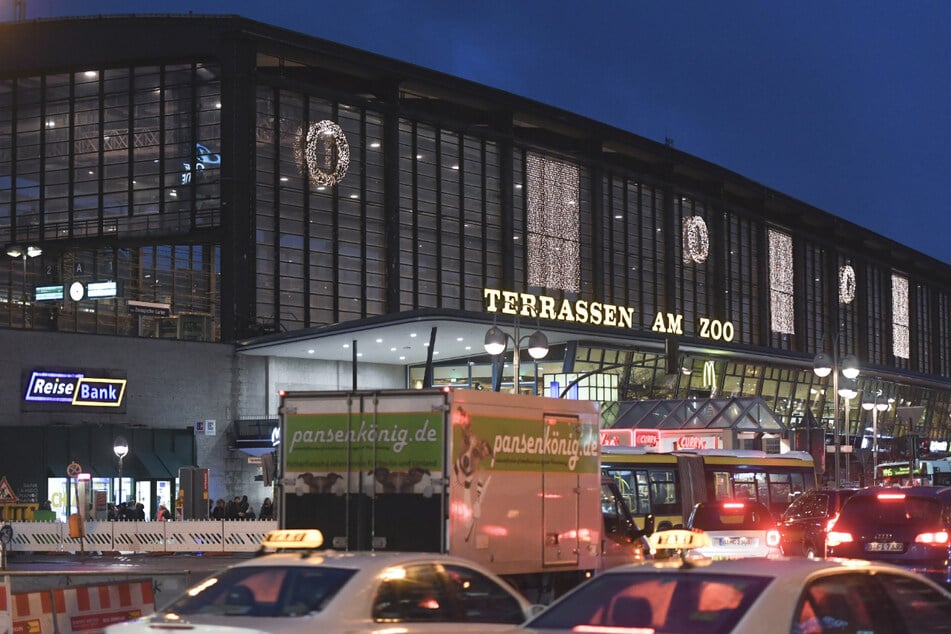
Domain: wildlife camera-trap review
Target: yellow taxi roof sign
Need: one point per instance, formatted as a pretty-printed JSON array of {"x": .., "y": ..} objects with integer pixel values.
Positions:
[
  {"x": 300, "y": 539},
  {"x": 678, "y": 540}
]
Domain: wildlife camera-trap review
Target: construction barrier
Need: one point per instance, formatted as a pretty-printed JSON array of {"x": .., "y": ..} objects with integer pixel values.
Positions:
[
  {"x": 75, "y": 609},
  {"x": 196, "y": 536}
]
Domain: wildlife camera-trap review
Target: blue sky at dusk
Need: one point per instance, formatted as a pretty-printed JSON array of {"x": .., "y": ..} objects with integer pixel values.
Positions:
[{"x": 843, "y": 105}]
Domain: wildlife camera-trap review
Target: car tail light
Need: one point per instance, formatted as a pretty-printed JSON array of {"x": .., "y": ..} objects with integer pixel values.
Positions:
[
  {"x": 831, "y": 523},
  {"x": 733, "y": 505},
  {"x": 772, "y": 538},
  {"x": 890, "y": 496},
  {"x": 834, "y": 538},
  {"x": 939, "y": 537}
]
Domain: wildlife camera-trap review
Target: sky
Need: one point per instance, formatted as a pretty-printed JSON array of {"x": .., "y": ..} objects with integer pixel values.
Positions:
[{"x": 843, "y": 105}]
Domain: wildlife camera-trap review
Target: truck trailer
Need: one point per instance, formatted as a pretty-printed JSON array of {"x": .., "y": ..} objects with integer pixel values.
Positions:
[{"x": 510, "y": 481}]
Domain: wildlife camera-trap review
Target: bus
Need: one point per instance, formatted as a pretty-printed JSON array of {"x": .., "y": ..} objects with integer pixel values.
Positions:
[
  {"x": 669, "y": 484},
  {"x": 929, "y": 471}
]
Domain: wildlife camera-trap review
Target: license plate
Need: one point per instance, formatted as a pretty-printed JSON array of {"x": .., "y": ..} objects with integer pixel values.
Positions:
[
  {"x": 884, "y": 547},
  {"x": 735, "y": 541}
]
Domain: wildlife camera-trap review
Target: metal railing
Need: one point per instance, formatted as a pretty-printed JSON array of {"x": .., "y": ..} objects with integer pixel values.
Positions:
[{"x": 196, "y": 536}]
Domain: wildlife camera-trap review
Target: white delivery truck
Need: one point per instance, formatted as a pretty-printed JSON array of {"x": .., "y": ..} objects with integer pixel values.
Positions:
[{"x": 510, "y": 481}]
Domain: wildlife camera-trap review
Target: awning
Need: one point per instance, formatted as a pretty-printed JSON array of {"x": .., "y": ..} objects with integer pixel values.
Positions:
[
  {"x": 57, "y": 470},
  {"x": 173, "y": 462},
  {"x": 152, "y": 467}
]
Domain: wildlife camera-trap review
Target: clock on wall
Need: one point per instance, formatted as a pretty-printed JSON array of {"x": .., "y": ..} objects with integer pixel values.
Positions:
[{"x": 77, "y": 291}]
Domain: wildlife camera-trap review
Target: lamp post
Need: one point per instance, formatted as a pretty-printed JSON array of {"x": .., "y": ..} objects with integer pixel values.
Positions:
[
  {"x": 496, "y": 340},
  {"x": 823, "y": 365},
  {"x": 120, "y": 447},
  {"x": 875, "y": 407},
  {"x": 25, "y": 253},
  {"x": 848, "y": 390}
]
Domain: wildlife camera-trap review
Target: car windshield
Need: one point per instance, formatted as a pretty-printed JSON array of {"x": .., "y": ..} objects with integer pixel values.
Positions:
[
  {"x": 686, "y": 602},
  {"x": 264, "y": 591},
  {"x": 895, "y": 510},
  {"x": 732, "y": 516}
]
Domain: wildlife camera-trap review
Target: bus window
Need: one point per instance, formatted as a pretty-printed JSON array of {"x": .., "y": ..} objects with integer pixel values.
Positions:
[
  {"x": 782, "y": 489},
  {"x": 664, "y": 496},
  {"x": 744, "y": 486},
  {"x": 721, "y": 485},
  {"x": 762, "y": 488}
]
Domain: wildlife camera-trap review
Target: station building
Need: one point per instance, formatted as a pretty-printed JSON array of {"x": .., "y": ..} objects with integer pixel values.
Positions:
[{"x": 201, "y": 211}]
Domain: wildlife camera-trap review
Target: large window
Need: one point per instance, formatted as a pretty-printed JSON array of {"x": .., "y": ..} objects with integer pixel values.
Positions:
[{"x": 127, "y": 154}]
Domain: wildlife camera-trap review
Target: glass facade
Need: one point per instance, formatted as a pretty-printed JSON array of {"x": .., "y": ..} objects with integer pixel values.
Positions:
[
  {"x": 418, "y": 200},
  {"x": 112, "y": 173}
]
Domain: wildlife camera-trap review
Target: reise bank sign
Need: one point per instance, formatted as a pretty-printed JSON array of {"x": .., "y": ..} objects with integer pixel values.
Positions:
[{"x": 72, "y": 389}]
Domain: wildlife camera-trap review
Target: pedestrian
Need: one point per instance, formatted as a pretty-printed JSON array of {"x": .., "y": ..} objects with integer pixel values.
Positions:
[
  {"x": 218, "y": 513},
  {"x": 243, "y": 507},
  {"x": 231, "y": 510},
  {"x": 162, "y": 514},
  {"x": 267, "y": 510},
  {"x": 138, "y": 513}
]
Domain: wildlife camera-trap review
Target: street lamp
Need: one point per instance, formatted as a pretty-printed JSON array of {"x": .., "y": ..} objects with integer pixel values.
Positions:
[
  {"x": 25, "y": 253},
  {"x": 824, "y": 365},
  {"x": 120, "y": 447},
  {"x": 875, "y": 407},
  {"x": 496, "y": 340},
  {"x": 848, "y": 390}
]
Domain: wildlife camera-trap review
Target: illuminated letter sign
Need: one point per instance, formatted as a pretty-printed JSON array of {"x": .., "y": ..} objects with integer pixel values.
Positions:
[
  {"x": 74, "y": 388},
  {"x": 577, "y": 311},
  {"x": 669, "y": 323},
  {"x": 99, "y": 392},
  {"x": 52, "y": 387}
]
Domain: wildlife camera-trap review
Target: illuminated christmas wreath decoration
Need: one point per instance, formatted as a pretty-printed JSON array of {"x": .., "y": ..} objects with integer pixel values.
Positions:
[
  {"x": 846, "y": 284},
  {"x": 324, "y": 154},
  {"x": 696, "y": 240}
]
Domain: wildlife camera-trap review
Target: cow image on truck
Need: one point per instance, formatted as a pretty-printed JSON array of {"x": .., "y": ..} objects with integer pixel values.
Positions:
[{"x": 510, "y": 481}]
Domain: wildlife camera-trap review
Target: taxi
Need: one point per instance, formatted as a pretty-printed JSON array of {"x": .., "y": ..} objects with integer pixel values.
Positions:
[
  {"x": 291, "y": 586},
  {"x": 689, "y": 593}
]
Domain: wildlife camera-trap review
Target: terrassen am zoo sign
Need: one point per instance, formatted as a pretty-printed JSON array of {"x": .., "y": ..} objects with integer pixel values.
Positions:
[{"x": 72, "y": 389}]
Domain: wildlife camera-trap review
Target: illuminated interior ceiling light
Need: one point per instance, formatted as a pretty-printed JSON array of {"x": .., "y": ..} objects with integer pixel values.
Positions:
[
  {"x": 554, "y": 243},
  {"x": 323, "y": 154},
  {"x": 900, "y": 331},
  {"x": 781, "y": 282},
  {"x": 846, "y": 284},
  {"x": 696, "y": 240}
]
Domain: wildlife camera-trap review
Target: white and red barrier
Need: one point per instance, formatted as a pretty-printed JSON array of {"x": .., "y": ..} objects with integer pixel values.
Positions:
[{"x": 75, "y": 609}]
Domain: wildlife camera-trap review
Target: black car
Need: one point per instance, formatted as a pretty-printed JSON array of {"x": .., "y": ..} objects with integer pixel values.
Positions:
[
  {"x": 804, "y": 523},
  {"x": 909, "y": 526}
]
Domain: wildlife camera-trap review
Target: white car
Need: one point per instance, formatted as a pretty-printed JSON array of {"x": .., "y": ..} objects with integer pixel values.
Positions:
[
  {"x": 692, "y": 594},
  {"x": 309, "y": 590},
  {"x": 736, "y": 528}
]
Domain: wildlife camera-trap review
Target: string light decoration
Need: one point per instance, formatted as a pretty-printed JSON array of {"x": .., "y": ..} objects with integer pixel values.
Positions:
[
  {"x": 696, "y": 240},
  {"x": 846, "y": 284},
  {"x": 323, "y": 154},
  {"x": 781, "y": 282},
  {"x": 900, "y": 331},
  {"x": 554, "y": 243}
]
